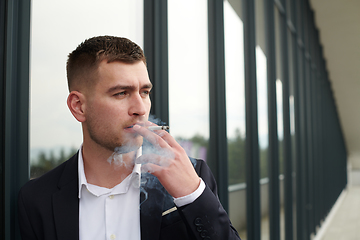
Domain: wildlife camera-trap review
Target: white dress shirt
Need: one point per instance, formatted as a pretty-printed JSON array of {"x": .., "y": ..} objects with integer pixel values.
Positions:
[{"x": 114, "y": 213}]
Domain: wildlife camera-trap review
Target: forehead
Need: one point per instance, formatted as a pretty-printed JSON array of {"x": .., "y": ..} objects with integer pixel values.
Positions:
[{"x": 132, "y": 74}]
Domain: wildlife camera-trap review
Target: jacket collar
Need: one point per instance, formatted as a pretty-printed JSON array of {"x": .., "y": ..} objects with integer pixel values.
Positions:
[
  {"x": 151, "y": 206},
  {"x": 66, "y": 204}
]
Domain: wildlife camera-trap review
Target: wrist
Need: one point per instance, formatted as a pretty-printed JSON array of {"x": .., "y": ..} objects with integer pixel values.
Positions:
[{"x": 182, "y": 201}]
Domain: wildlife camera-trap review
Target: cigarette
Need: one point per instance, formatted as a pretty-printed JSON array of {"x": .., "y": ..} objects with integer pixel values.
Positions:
[{"x": 152, "y": 128}]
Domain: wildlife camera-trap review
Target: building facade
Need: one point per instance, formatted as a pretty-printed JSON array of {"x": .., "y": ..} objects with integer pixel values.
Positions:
[{"x": 242, "y": 84}]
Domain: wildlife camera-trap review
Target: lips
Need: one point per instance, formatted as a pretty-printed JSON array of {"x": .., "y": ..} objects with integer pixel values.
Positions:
[{"x": 131, "y": 126}]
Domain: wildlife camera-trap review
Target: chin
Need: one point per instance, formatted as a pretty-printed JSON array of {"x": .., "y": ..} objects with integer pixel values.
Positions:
[{"x": 129, "y": 146}]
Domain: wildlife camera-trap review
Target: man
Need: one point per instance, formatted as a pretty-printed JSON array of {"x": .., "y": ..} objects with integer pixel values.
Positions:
[{"x": 98, "y": 193}]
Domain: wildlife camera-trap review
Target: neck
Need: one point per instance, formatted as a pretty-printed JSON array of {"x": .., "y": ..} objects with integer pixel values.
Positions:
[{"x": 105, "y": 168}]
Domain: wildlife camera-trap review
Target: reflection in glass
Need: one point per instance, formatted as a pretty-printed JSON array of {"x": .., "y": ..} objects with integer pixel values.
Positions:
[
  {"x": 235, "y": 94},
  {"x": 292, "y": 115},
  {"x": 235, "y": 113},
  {"x": 189, "y": 75},
  {"x": 279, "y": 106},
  {"x": 57, "y": 28},
  {"x": 261, "y": 75},
  {"x": 280, "y": 125}
]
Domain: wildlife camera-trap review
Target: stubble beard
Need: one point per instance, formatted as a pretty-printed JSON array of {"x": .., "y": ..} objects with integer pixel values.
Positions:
[{"x": 112, "y": 142}]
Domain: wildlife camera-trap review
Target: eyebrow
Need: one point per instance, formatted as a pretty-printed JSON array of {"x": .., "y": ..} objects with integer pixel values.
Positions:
[{"x": 130, "y": 87}]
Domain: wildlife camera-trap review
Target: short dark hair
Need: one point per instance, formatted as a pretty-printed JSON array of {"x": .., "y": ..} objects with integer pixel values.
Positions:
[{"x": 82, "y": 63}]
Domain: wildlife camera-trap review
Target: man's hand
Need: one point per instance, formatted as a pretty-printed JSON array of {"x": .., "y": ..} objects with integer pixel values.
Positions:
[{"x": 170, "y": 164}]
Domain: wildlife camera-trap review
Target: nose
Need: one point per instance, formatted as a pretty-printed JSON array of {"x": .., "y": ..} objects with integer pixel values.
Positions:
[{"x": 138, "y": 105}]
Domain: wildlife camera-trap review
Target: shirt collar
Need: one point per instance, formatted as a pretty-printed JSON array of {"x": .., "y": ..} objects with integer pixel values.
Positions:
[{"x": 135, "y": 175}]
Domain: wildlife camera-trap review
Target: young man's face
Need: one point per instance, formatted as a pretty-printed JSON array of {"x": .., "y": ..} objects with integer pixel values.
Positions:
[{"x": 119, "y": 100}]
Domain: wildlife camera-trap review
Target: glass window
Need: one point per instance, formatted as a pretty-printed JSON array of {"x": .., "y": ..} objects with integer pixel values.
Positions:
[
  {"x": 57, "y": 28},
  {"x": 261, "y": 75},
  {"x": 235, "y": 94},
  {"x": 279, "y": 106},
  {"x": 235, "y": 113},
  {"x": 263, "y": 125},
  {"x": 291, "y": 66},
  {"x": 189, "y": 75}
]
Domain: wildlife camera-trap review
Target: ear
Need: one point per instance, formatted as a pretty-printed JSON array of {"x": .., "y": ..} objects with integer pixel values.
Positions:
[{"x": 76, "y": 104}]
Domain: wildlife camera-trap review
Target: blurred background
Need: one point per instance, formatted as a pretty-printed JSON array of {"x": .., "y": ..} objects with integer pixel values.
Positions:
[{"x": 266, "y": 92}]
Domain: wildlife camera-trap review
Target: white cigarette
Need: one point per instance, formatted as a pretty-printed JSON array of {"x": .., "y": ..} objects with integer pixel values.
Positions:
[{"x": 152, "y": 128}]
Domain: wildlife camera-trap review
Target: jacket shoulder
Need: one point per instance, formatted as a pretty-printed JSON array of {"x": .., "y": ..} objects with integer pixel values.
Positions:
[
  {"x": 49, "y": 182},
  {"x": 204, "y": 171}
]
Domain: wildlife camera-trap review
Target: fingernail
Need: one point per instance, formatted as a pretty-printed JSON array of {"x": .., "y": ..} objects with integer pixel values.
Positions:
[{"x": 136, "y": 127}]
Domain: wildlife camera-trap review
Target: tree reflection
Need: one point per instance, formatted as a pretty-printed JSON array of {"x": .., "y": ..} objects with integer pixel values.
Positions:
[
  {"x": 45, "y": 162},
  {"x": 196, "y": 146},
  {"x": 236, "y": 158}
]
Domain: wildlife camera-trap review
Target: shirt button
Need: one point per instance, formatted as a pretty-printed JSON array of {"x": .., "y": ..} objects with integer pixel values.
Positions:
[
  {"x": 111, "y": 197},
  {"x": 112, "y": 236}
]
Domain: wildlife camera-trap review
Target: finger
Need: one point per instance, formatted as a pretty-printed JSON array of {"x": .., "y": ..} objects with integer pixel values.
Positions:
[
  {"x": 164, "y": 135},
  {"x": 154, "y": 159},
  {"x": 150, "y": 168},
  {"x": 152, "y": 137}
]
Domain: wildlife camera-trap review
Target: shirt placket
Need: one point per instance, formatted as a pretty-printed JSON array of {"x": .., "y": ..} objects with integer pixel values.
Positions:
[{"x": 111, "y": 216}]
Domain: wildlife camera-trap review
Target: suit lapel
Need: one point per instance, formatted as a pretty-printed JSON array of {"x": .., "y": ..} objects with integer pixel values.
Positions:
[
  {"x": 151, "y": 207},
  {"x": 66, "y": 203}
]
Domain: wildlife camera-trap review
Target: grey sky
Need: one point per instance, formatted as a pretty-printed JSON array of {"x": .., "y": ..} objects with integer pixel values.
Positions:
[{"x": 58, "y": 27}]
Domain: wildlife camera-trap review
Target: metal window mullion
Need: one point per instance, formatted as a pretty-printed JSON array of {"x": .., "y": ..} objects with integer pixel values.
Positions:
[
  {"x": 319, "y": 165},
  {"x": 299, "y": 143},
  {"x": 309, "y": 126},
  {"x": 297, "y": 112},
  {"x": 15, "y": 104},
  {"x": 316, "y": 118},
  {"x": 273, "y": 149},
  {"x": 2, "y": 117},
  {"x": 302, "y": 119},
  {"x": 218, "y": 160},
  {"x": 323, "y": 148},
  {"x": 317, "y": 122},
  {"x": 314, "y": 164},
  {"x": 156, "y": 51},
  {"x": 252, "y": 143},
  {"x": 287, "y": 150}
]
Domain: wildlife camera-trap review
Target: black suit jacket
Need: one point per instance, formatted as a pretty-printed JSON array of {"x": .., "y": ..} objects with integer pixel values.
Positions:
[{"x": 49, "y": 208}]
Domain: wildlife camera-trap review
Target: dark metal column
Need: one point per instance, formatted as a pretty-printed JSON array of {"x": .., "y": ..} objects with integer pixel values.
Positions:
[
  {"x": 156, "y": 52},
  {"x": 2, "y": 112},
  {"x": 218, "y": 141},
  {"x": 308, "y": 120},
  {"x": 252, "y": 143},
  {"x": 287, "y": 150},
  {"x": 14, "y": 106},
  {"x": 303, "y": 123},
  {"x": 273, "y": 150},
  {"x": 297, "y": 109}
]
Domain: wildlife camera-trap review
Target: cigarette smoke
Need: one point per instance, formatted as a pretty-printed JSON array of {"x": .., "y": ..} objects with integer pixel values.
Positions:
[
  {"x": 116, "y": 157},
  {"x": 148, "y": 150},
  {"x": 151, "y": 153}
]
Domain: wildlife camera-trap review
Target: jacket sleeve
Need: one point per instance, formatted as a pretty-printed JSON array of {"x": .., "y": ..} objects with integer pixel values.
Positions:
[{"x": 205, "y": 218}]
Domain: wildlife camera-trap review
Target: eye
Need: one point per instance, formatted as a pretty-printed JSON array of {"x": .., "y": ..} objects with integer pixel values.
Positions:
[
  {"x": 120, "y": 94},
  {"x": 145, "y": 93}
]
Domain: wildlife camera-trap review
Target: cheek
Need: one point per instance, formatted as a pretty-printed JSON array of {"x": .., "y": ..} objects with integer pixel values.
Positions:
[
  {"x": 101, "y": 112},
  {"x": 149, "y": 105},
  {"x": 148, "y": 109}
]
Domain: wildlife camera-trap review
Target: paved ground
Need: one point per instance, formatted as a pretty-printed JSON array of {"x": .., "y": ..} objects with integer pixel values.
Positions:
[{"x": 344, "y": 224}]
